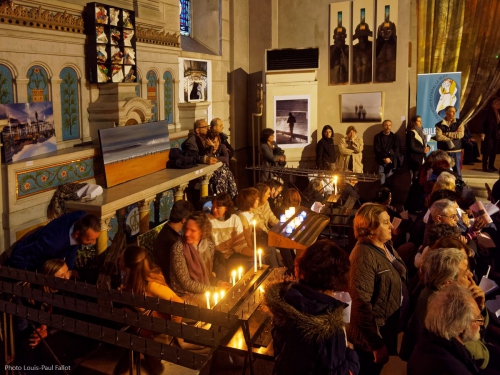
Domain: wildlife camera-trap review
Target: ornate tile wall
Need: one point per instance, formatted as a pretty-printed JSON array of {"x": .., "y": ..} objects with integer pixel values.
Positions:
[{"x": 6, "y": 96}]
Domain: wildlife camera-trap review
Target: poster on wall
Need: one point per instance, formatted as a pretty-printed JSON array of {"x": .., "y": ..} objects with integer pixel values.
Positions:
[
  {"x": 340, "y": 41},
  {"x": 291, "y": 120},
  {"x": 362, "y": 41},
  {"x": 436, "y": 91},
  {"x": 195, "y": 78},
  {"x": 29, "y": 130},
  {"x": 386, "y": 42},
  {"x": 362, "y": 107}
]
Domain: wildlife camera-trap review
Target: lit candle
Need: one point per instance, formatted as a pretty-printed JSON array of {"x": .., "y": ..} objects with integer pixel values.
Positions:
[
  {"x": 260, "y": 258},
  {"x": 240, "y": 273},
  {"x": 292, "y": 211},
  {"x": 216, "y": 298},
  {"x": 335, "y": 184},
  {"x": 222, "y": 294},
  {"x": 289, "y": 229},
  {"x": 207, "y": 294},
  {"x": 254, "y": 247},
  {"x": 234, "y": 278},
  {"x": 288, "y": 214},
  {"x": 282, "y": 218}
]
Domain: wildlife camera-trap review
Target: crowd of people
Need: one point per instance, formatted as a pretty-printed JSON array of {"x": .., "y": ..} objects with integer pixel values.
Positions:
[{"x": 420, "y": 279}]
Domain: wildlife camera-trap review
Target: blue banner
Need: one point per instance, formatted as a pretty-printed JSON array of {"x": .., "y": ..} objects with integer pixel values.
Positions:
[{"x": 437, "y": 91}]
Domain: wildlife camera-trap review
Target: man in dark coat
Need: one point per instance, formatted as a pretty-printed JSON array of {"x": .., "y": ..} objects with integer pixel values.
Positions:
[
  {"x": 386, "y": 145},
  {"x": 217, "y": 125},
  {"x": 169, "y": 235},
  {"x": 452, "y": 320},
  {"x": 449, "y": 134},
  {"x": 325, "y": 150},
  {"x": 196, "y": 141},
  {"x": 490, "y": 136},
  {"x": 59, "y": 239}
]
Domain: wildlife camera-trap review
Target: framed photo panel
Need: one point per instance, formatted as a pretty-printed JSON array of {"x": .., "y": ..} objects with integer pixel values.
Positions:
[
  {"x": 362, "y": 41},
  {"x": 292, "y": 120},
  {"x": 386, "y": 42},
  {"x": 339, "y": 42},
  {"x": 361, "y": 107}
]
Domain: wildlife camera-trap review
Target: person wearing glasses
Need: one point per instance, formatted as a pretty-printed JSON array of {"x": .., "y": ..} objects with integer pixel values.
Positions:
[
  {"x": 196, "y": 142},
  {"x": 441, "y": 268},
  {"x": 453, "y": 321}
]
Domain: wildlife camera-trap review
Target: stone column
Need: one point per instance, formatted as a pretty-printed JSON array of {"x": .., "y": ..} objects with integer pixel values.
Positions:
[
  {"x": 22, "y": 89},
  {"x": 102, "y": 240},
  {"x": 179, "y": 192},
  {"x": 84, "y": 115},
  {"x": 175, "y": 103},
  {"x": 144, "y": 213},
  {"x": 161, "y": 99},
  {"x": 55, "y": 84},
  {"x": 204, "y": 185}
]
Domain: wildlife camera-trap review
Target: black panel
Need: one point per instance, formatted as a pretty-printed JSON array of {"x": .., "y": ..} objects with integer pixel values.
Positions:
[{"x": 291, "y": 58}]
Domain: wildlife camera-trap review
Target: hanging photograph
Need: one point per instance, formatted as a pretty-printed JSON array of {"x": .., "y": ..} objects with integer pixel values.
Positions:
[
  {"x": 362, "y": 41},
  {"x": 362, "y": 107},
  {"x": 291, "y": 120},
  {"x": 386, "y": 42},
  {"x": 114, "y": 16},
  {"x": 195, "y": 80},
  {"x": 29, "y": 130},
  {"x": 340, "y": 40}
]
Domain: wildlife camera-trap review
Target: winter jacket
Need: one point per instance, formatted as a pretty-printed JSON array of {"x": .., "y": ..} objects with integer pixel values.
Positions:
[
  {"x": 194, "y": 143},
  {"x": 308, "y": 332},
  {"x": 269, "y": 159},
  {"x": 325, "y": 151},
  {"x": 351, "y": 149},
  {"x": 387, "y": 146},
  {"x": 449, "y": 136},
  {"x": 376, "y": 289},
  {"x": 415, "y": 147},
  {"x": 436, "y": 355}
]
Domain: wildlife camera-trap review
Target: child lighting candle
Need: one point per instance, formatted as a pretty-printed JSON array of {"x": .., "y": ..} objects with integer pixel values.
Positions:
[
  {"x": 234, "y": 278},
  {"x": 207, "y": 294},
  {"x": 254, "y": 247},
  {"x": 260, "y": 257},
  {"x": 216, "y": 298}
]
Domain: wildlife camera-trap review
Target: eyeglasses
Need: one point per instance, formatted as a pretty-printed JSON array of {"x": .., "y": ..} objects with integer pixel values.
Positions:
[
  {"x": 479, "y": 320},
  {"x": 452, "y": 217}
]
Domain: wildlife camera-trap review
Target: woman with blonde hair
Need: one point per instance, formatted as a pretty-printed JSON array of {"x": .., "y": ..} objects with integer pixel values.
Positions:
[{"x": 377, "y": 284}]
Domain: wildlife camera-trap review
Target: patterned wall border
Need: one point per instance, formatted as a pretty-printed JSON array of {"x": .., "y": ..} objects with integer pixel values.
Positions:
[{"x": 39, "y": 180}]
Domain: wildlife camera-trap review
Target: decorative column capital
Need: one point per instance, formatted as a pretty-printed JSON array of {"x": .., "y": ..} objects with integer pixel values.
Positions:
[{"x": 144, "y": 204}]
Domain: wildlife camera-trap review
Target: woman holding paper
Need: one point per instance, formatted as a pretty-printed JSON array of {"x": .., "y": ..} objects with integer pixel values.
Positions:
[{"x": 309, "y": 334}]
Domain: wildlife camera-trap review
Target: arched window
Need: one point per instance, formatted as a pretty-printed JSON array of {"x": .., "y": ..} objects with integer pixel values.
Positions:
[
  {"x": 6, "y": 96},
  {"x": 185, "y": 18},
  {"x": 168, "y": 100},
  {"x": 38, "y": 85},
  {"x": 70, "y": 105},
  {"x": 153, "y": 94}
]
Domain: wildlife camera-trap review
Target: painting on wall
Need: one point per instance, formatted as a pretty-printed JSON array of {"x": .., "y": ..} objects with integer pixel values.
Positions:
[
  {"x": 291, "y": 120},
  {"x": 362, "y": 41},
  {"x": 29, "y": 130},
  {"x": 362, "y": 107},
  {"x": 195, "y": 80},
  {"x": 340, "y": 41},
  {"x": 386, "y": 43},
  {"x": 137, "y": 149}
]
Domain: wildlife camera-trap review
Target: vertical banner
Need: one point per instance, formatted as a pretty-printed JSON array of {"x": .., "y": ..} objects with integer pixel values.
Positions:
[
  {"x": 386, "y": 42},
  {"x": 437, "y": 91},
  {"x": 340, "y": 41},
  {"x": 362, "y": 41}
]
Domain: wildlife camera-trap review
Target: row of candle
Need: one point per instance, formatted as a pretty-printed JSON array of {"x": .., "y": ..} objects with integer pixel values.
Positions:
[{"x": 215, "y": 297}]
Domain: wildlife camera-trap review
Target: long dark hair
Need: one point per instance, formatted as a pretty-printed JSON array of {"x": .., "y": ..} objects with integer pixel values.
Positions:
[{"x": 141, "y": 269}]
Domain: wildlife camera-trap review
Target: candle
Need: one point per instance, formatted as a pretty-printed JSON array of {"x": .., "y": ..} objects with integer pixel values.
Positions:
[
  {"x": 240, "y": 273},
  {"x": 254, "y": 247},
  {"x": 260, "y": 258},
  {"x": 207, "y": 295},
  {"x": 287, "y": 214},
  {"x": 222, "y": 294},
  {"x": 289, "y": 229},
  {"x": 335, "y": 184},
  {"x": 216, "y": 298},
  {"x": 234, "y": 277},
  {"x": 282, "y": 218},
  {"x": 292, "y": 211}
]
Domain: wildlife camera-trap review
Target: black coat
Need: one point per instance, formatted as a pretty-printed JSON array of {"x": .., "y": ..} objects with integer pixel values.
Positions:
[
  {"x": 325, "y": 151},
  {"x": 415, "y": 149},
  {"x": 308, "y": 333},
  {"x": 435, "y": 355},
  {"x": 387, "y": 146},
  {"x": 224, "y": 141}
]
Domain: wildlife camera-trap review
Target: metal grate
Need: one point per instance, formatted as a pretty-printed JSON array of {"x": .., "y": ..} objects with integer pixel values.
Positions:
[{"x": 291, "y": 58}]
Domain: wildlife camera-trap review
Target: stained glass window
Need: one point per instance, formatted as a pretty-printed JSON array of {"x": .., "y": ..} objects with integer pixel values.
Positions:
[
  {"x": 185, "y": 23},
  {"x": 70, "y": 110},
  {"x": 6, "y": 96},
  {"x": 38, "y": 85},
  {"x": 152, "y": 93}
]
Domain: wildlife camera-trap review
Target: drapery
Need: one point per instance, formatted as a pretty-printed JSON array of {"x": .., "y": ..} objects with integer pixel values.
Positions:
[{"x": 462, "y": 36}]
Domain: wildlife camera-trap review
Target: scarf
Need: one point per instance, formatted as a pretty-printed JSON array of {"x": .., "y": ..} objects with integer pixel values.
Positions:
[
  {"x": 420, "y": 132},
  {"x": 196, "y": 268}
]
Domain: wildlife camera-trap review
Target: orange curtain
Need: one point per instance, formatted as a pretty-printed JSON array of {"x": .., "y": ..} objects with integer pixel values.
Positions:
[{"x": 462, "y": 36}]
